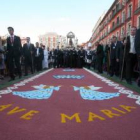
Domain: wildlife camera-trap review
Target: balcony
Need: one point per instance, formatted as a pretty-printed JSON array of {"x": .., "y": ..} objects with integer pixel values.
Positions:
[
  {"x": 116, "y": 26},
  {"x": 128, "y": 1},
  {"x": 128, "y": 18},
  {"x": 137, "y": 11},
  {"x": 118, "y": 9}
]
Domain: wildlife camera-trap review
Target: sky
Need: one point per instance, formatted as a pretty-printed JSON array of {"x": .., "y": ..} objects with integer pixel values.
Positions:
[{"x": 36, "y": 17}]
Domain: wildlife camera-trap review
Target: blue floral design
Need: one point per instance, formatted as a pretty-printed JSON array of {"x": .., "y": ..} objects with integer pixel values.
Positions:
[
  {"x": 37, "y": 94},
  {"x": 69, "y": 76},
  {"x": 69, "y": 70},
  {"x": 91, "y": 94}
]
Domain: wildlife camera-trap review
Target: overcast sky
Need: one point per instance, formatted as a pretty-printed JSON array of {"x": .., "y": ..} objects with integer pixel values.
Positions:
[{"x": 36, "y": 17}]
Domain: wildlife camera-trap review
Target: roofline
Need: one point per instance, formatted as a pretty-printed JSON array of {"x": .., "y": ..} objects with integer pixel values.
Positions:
[
  {"x": 105, "y": 15},
  {"x": 115, "y": 1}
]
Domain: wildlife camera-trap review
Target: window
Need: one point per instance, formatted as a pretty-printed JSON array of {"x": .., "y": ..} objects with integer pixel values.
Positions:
[
  {"x": 138, "y": 22},
  {"x": 124, "y": 2},
  {"x": 110, "y": 16},
  {"x": 122, "y": 31},
  {"x": 138, "y": 3},
  {"x": 106, "y": 31},
  {"x": 123, "y": 16},
  {"x": 118, "y": 7},
  {"x": 117, "y": 34},
  {"x": 129, "y": 10},
  {"x": 113, "y": 24},
  {"x": 118, "y": 20},
  {"x": 113, "y": 12},
  {"x": 128, "y": 28},
  {"x": 108, "y": 28}
]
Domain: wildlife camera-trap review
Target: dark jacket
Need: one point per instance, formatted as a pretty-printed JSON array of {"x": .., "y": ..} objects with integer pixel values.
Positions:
[
  {"x": 81, "y": 54},
  {"x": 41, "y": 54},
  {"x": 16, "y": 48},
  {"x": 137, "y": 42},
  {"x": 120, "y": 52},
  {"x": 100, "y": 51},
  {"x": 113, "y": 49},
  {"x": 27, "y": 50},
  {"x": 57, "y": 53}
]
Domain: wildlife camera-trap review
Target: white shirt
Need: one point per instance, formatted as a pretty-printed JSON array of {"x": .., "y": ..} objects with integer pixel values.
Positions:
[
  {"x": 37, "y": 51},
  {"x": 132, "y": 44},
  {"x": 28, "y": 44},
  {"x": 88, "y": 52},
  {"x": 115, "y": 44},
  {"x": 11, "y": 36}
]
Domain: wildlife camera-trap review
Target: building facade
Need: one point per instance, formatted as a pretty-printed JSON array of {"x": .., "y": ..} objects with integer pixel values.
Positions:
[
  {"x": 52, "y": 40},
  {"x": 23, "y": 40},
  {"x": 122, "y": 15}
]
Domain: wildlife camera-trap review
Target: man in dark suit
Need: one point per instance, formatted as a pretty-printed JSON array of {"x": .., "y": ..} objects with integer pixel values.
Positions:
[
  {"x": 107, "y": 55},
  {"x": 120, "y": 56},
  {"x": 70, "y": 58},
  {"x": 137, "y": 43},
  {"x": 39, "y": 56},
  {"x": 81, "y": 58},
  {"x": 14, "y": 50},
  {"x": 100, "y": 56},
  {"x": 28, "y": 54},
  {"x": 114, "y": 63},
  {"x": 130, "y": 54},
  {"x": 137, "y": 47},
  {"x": 61, "y": 58},
  {"x": 57, "y": 54},
  {"x": 74, "y": 58},
  {"x": 66, "y": 58}
]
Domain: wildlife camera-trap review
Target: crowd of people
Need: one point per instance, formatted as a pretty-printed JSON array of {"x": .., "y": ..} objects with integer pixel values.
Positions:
[
  {"x": 18, "y": 61},
  {"x": 120, "y": 57}
]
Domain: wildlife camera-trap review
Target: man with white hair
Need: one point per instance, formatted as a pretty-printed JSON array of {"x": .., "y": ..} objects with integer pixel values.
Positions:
[
  {"x": 130, "y": 54},
  {"x": 137, "y": 47}
]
